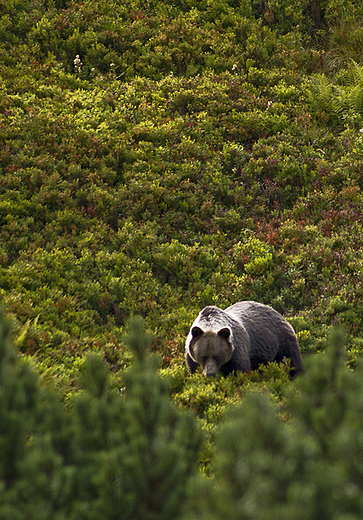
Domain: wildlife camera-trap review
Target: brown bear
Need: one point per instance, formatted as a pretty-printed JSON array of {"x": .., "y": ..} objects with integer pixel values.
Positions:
[{"x": 240, "y": 337}]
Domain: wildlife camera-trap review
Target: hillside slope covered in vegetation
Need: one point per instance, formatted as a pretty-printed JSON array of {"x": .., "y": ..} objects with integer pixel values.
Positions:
[{"x": 157, "y": 157}]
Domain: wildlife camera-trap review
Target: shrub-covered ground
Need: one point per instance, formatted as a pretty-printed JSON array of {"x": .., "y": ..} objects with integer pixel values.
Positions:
[
  {"x": 133, "y": 455},
  {"x": 157, "y": 157}
]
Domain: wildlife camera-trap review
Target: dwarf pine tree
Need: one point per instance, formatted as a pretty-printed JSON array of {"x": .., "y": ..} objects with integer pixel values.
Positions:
[
  {"x": 19, "y": 409},
  {"x": 307, "y": 467},
  {"x": 144, "y": 448},
  {"x": 112, "y": 456}
]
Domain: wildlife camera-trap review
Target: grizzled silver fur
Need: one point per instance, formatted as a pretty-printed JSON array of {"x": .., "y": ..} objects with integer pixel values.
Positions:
[{"x": 240, "y": 337}]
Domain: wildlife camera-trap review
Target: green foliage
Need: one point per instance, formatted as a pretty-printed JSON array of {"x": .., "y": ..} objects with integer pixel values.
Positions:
[
  {"x": 346, "y": 44},
  {"x": 306, "y": 467},
  {"x": 111, "y": 456},
  {"x": 138, "y": 340},
  {"x": 339, "y": 103}
]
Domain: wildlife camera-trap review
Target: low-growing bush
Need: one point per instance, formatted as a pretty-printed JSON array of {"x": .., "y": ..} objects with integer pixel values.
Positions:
[
  {"x": 125, "y": 453},
  {"x": 306, "y": 465}
]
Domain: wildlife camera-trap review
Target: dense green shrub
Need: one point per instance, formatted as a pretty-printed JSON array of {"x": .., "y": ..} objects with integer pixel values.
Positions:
[
  {"x": 306, "y": 466},
  {"x": 111, "y": 456}
]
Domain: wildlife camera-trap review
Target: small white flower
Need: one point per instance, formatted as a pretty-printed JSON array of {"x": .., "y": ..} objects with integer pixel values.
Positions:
[
  {"x": 77, "y": 63},
  {"x": 361, "y": 130},
  {"x": 234, "y": 67}
]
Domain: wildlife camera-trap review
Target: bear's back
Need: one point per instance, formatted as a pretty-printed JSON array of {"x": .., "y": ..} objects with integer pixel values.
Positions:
[{"x": 271, "y": 336}]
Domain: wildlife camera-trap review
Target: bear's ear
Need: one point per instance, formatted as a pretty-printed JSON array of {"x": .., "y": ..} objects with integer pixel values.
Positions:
[
  {"x": 197, "y": 332},
  {"x": 224, "y": 333}
]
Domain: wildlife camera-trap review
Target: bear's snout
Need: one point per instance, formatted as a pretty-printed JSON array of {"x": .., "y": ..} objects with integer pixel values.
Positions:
[{"x": 210, "y": 368}]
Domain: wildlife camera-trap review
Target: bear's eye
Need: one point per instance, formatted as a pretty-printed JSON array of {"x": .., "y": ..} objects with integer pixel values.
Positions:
[{"x": 216, "y": 358}]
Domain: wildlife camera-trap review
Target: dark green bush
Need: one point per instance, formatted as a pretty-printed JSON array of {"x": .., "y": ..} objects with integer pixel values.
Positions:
[
  {"x": 111, "y": 456},
  {"x": 307, "y": 466}
]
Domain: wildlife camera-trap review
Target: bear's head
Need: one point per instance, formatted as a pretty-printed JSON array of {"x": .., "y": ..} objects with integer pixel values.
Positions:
[{"x": 211, "y": 349}]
